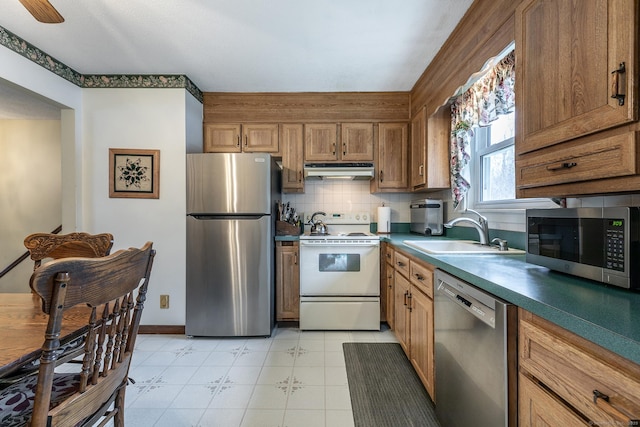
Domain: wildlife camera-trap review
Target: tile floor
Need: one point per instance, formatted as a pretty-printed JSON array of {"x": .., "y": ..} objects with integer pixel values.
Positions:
[{"x": 295, "y": 378}]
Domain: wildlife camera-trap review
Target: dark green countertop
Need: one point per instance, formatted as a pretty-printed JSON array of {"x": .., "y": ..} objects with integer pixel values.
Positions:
[{"x": 606, "y": 315}]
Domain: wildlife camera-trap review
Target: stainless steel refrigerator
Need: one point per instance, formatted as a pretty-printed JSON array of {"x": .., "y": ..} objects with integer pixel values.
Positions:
[{"x": 231, "y": 210}]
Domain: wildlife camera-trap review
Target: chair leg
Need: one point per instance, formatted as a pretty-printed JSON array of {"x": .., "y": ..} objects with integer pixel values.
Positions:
[{"x": 118, "y": 405}]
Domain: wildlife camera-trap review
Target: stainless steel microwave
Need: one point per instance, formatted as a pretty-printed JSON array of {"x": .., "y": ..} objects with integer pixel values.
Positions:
[{"x": 600, "y": 244}]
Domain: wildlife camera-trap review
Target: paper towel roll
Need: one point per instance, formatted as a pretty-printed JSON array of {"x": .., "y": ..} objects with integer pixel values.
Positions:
[{"x": 384, "y": 219}]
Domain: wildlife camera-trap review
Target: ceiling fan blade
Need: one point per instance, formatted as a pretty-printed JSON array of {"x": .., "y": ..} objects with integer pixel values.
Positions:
[{"x": 43, "y": 11}]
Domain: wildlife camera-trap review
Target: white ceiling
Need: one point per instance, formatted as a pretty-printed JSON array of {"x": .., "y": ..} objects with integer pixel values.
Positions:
[{"x": 248, "y": 45}]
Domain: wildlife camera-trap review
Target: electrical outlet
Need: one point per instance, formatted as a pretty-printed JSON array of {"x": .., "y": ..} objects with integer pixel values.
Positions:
[{"x": 164, "y": 301}]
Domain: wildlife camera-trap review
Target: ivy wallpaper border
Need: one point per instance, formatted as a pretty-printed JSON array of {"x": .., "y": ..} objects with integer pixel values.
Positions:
[{"x": 133, "y": 81}]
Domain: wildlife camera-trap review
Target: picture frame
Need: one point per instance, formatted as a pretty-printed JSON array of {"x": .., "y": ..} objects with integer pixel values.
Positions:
[{"x": 134, "y": 173}]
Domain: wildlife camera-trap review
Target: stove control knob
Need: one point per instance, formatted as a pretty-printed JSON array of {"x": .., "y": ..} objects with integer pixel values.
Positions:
[
  {"x": 357, "y": 217},
  {"x": 364, "y": 217}
]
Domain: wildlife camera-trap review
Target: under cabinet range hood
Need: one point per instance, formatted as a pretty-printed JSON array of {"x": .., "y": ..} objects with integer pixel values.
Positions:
[{"x": 338, "y": 171}]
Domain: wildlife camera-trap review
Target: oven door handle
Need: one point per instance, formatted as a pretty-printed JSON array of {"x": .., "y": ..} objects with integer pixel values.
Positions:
[{"x": 339, "y": 245}]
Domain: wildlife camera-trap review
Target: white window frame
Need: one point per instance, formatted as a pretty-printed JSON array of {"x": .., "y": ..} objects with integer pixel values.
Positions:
[{"x": 474, "y": 192}]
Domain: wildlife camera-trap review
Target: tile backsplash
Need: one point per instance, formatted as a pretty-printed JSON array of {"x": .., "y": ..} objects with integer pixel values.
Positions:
[
  {"x": 355, "y": 196},
  {"x": 349, "y": 196}
]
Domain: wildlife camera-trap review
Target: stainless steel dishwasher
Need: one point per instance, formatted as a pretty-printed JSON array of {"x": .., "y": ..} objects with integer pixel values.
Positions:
[{"x": 475, "y": 356}]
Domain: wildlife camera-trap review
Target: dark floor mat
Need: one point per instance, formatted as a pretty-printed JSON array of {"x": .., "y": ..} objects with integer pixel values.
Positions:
[{"x": 385, "y": 390}]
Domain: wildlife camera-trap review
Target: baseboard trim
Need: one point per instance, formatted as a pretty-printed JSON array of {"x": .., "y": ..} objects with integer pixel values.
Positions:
[{"x": 162, "y": 329}]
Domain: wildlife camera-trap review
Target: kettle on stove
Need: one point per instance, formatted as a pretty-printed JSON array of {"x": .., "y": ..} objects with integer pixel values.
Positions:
[{"x": 318, "y": 227}]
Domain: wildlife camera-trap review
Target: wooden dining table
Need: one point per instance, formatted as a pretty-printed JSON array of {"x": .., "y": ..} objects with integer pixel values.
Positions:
[{"x": 22, "y": 328}]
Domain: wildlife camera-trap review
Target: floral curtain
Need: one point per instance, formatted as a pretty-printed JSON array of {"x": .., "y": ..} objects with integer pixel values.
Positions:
[{"x": 487, "y": 98}]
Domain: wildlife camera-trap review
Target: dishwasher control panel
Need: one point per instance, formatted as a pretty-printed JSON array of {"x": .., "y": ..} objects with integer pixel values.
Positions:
[{"x": 462, "y": 295}]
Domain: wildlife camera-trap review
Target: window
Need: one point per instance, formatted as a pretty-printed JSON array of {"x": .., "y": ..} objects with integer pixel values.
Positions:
[{"x": 494, "y": 160}]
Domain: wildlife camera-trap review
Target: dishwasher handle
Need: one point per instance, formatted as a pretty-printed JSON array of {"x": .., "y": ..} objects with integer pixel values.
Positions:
[{"x": 473, "y": 306}]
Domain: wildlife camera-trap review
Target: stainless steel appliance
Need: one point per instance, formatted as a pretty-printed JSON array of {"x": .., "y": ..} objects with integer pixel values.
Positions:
[
  {"x": 426, "y": 217},
  {"x": 231, "y": 210},
  {"x": 601, "y": 244},
  {"x": 340, "y": 276},
  {"x": 339, "y": 171},
  {"x": 476, "y": 356}
]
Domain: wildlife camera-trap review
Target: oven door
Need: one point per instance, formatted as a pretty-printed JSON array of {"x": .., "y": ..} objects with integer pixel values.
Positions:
[{"x": 339, "y": 269}]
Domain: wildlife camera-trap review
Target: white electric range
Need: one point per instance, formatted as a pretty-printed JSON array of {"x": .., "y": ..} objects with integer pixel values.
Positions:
[{"x": 340, "y": 275}]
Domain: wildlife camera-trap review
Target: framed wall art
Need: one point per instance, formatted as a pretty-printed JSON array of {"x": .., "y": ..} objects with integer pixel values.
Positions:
[{"x": 134, "y": 173}]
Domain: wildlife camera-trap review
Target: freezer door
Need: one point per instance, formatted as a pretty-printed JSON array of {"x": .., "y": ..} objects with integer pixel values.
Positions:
[
  {"x": 230, "y": 280},
  {"x": 229, "y": 183}
]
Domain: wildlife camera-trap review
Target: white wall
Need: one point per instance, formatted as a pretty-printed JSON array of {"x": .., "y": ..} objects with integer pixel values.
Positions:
[
  {"x": 32, "y": 77},
  {"x": 145, "y": 119},
  {"x": 30, "y": 191}
]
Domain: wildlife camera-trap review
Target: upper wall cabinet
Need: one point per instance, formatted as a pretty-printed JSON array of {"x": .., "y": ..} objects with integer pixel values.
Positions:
[
  {"x": 576, "y": 63},
  {"x": 321, "y": 142},
  {"x": 236, "y": 138},
  {"x": 292, "y": 161},
  {"x": 393, "y": 150},
  {"x": 430, "y": 150},
  {"x": 357, "y": 142},
  {"x": 419, "y": 149}
]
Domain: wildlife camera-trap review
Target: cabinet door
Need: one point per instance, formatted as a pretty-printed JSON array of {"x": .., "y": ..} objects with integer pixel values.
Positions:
[
  {"x": 421, "y": 333},
  {"x": 292, "y": 162},
  {"x": 536, "y": 407},
  {"x": 437, "y": 146},
  {"x": 357, "y": 142},
  {"x": 401, "y": 313},
  {"x": 320, "y": 142},
  {"x": 260, "y": 138},
  {"x": 388, "y": 279},
  {"x": 568, "y": 53},
  {"x": 389, "y": 292},
  {"x": 222, "y": 138},
  {"x": 392, "y": 157},
  {"x": 419, "y": 149},
  {"x": 287, "y": 281}
]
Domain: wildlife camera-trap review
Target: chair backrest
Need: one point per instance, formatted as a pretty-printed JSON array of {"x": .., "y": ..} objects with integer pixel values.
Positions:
[
  {"x": 107, "y": 285},
  {"x": 56, "y": 246}
]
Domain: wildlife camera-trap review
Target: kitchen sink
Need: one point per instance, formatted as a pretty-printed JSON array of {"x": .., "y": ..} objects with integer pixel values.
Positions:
[{"x": 457, "y": 247}]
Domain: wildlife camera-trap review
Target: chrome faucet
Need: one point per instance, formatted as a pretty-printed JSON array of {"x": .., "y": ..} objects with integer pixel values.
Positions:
[{"x": 482, "y": 225}]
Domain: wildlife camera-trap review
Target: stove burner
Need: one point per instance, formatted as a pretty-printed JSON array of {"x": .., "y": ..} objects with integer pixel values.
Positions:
[{"x": 356, "y": 234}]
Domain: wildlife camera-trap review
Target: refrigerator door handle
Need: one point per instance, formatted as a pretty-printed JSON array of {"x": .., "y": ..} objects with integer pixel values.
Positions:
[{"x": 223, "y": 216}]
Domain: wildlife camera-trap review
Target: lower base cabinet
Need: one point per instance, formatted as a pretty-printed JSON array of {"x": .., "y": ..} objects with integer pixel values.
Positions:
[
  {"x": 413, "y": 315},
  {"x": 287, "y": 281},
  {"x": 565, "y": 380}
]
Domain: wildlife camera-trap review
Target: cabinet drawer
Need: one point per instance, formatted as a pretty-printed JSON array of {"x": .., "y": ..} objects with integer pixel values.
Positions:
[
  {"x": 401, "y": 264},
  {"x": 422, "y": 277},
  {"x": 582, "y": 160},
  {"x": 538, "y": 407},
  {"x": 574, "y": 373},
  {"x": 389, "y": 255}
]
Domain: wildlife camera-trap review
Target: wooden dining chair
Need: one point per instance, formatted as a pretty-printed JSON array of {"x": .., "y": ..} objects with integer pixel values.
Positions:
[
  {"x": 108, "y": 285},
  {"x": 56, "y": 246}
]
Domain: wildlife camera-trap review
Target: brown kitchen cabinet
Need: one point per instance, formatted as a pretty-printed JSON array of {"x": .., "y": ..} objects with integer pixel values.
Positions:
[
  {"x": 609, "y": 154},
  {"x": 569, "y": 67},
  {"x": 386, "y": 283},
  {"x": 401, "y": 315},
  {"x": 430, "y": 150},
  {"x": 419, "y": 149},
  {"x": 287, "y": 281},
  {"x": 413, "y": 316},
  {"x": 357, "y": 142},
  {"x": 392, "y": 158},
  {"x": 321, "y": 142},
  {"x": 567, "y": 380},
  {"x": 237, "y": 138},
  {"x": 291, "y": 136}
]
